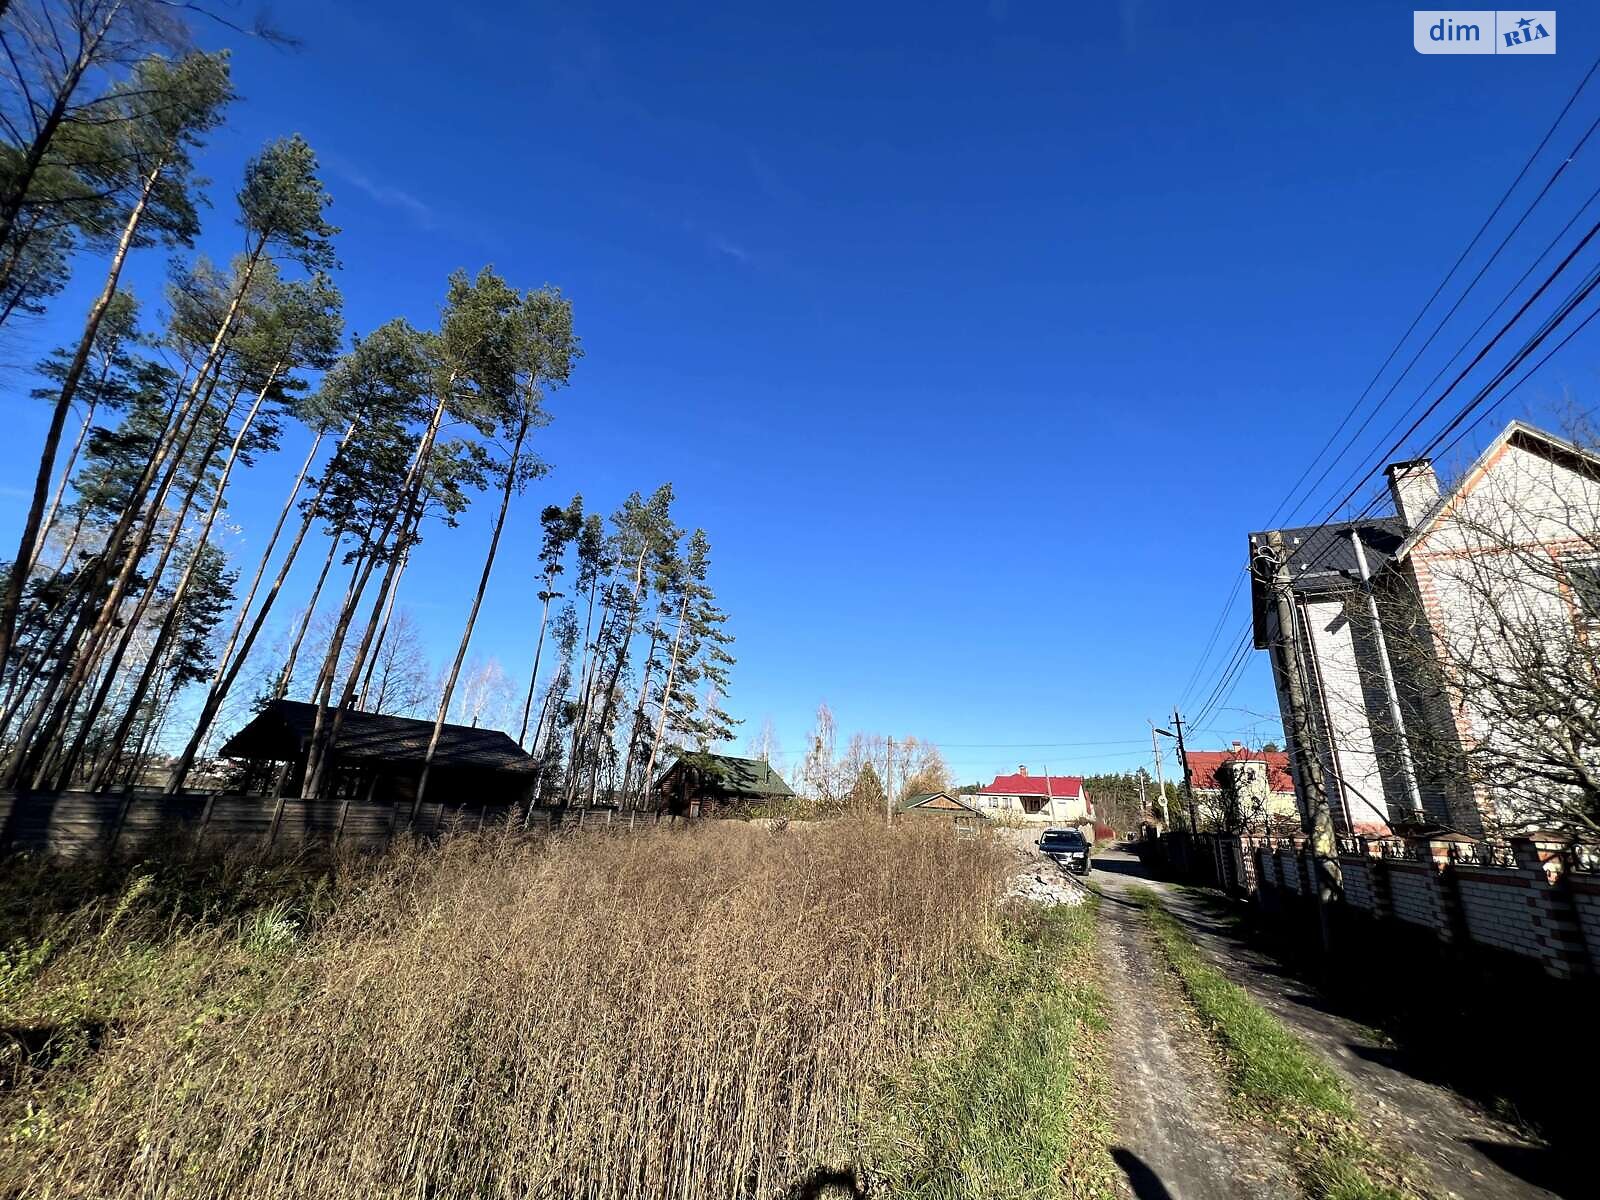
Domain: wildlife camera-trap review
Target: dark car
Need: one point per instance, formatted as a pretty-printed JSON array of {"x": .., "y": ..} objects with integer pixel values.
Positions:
[{"x": 1068, "y": 847}]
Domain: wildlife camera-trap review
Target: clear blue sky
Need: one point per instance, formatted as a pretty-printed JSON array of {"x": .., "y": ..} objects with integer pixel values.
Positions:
[{"x": 977, "y": 335}]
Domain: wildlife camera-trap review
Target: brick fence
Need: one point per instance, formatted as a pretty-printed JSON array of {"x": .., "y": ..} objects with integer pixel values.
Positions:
[
  {"x": 85, "y": 824},
  {"x": 1533, "y": 898}
]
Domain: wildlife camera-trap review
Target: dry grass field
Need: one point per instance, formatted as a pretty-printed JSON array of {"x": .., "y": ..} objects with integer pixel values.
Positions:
[{"x": 715, "y": 1012}]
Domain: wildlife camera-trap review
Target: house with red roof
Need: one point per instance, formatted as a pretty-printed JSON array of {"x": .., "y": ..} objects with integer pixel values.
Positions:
[
  {"x": 1261, "y": 779},
  {"x": 1047, "y": 799}
]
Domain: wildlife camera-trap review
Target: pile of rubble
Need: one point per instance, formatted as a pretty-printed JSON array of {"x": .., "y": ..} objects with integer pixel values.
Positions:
[{"x": 1044, "y": 883}]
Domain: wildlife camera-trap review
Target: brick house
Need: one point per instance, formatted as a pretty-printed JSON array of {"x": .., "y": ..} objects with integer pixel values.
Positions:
[
  {"x": 1260, "y": 778},
  {"x": 1403, "y": 619},
  {"x": 1046, "y": 799}
]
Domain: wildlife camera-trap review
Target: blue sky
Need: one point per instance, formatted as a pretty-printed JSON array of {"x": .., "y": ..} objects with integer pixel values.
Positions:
[{"x": 976, "y": 335}]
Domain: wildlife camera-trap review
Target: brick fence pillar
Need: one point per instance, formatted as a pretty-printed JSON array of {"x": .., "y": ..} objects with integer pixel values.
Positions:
[
  {"x": 1436, "y": 853},
  {"x": 1560, "y": 937},
  {"x": 1378, "y": 876}
]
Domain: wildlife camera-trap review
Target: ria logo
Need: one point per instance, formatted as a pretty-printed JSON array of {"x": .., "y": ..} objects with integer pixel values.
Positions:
[{"x": 1484, "y": 31}]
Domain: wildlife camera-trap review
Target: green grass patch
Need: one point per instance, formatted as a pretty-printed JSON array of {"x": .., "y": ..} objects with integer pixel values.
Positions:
[
  {"x": 1276, "y": 1076},
  {"x": 1014, "y": 1105}
]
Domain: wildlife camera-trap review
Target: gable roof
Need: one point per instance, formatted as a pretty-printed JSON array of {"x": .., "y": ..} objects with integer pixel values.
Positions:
[
  {"x": 938, "y": 802},
  {"x": 1203, "y": 766},
  {"x": 287, "y": 725},
  {"x": 1322, "y": 558},
  {"x": 1520, "y": 433},
  {"x": 1061, "y": 787},
  {"x": 735, "y": 776}
]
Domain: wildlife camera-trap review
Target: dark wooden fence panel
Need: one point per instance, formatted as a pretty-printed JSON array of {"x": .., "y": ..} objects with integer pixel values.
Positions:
[{"x": 82, "y": 825}]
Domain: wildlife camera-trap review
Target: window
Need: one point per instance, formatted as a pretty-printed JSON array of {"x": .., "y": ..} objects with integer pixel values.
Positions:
[{"x": 1584, "y": 575}]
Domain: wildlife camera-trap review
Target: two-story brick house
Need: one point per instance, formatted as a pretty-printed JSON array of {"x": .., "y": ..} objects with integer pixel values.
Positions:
[{"x": 1448, "y": 652}]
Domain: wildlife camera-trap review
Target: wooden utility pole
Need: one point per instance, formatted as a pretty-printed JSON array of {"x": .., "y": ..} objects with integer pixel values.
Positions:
[
  {"x": 1183, "y": 761},
  {"x": 1324, "y": 848}
]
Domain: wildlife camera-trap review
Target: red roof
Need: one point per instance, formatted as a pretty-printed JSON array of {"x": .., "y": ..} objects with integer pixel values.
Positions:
[
  {"x": 1203, "y": 766},
  {"x": 1065, "y": 787}
]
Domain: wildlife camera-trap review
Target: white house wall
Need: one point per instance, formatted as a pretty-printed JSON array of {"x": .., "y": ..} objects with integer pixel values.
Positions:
[
  {"x": 1343, "y": 664},
  {"x": 1058, "y": 810}
]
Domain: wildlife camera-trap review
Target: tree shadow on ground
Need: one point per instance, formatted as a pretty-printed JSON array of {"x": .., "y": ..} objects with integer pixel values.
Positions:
[
  {"x": 1435, "y": 1004},
  {"x": 1117, "y": 866},
  {"x": 1144, "y": 1183},
  {"x": 1537, "y": 1165},
  {"x": 827, "y": 1182}
]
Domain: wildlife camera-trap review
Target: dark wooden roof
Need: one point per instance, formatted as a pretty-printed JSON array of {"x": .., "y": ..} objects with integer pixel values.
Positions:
[{"x": 283, "y": 731}]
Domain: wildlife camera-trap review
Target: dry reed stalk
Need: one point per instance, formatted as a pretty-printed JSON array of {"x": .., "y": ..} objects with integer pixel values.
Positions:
[{"x": 693, "y": 1013}]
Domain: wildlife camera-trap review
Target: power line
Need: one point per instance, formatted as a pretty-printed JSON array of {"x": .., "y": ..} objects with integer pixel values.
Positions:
[
  {"x": 1450, "y": 274},
  {"x": 1206, "y": 652}
]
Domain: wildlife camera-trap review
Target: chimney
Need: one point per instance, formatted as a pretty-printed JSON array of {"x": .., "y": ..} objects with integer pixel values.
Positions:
[
  {"x": 1238, "y": 746},
  {"x": 1022, "y": 770},
  {"x": 1414, "y": 487}
]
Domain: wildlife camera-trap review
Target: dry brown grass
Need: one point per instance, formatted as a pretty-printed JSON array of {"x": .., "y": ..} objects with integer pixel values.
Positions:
[{"x": 688, "y": 1013}]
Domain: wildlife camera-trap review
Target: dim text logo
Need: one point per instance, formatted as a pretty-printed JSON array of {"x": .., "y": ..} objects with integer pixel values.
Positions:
[{"x": 1484, "y": 31}]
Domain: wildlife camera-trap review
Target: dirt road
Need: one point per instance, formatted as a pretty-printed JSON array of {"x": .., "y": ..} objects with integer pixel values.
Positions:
[{"x": 1178, "y": 1139}]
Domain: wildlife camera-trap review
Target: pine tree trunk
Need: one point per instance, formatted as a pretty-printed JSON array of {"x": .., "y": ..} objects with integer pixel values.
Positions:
[
  {"x": 286, "y": 673},
  {"x": 92, "y": 627},
  {"x": 383, "y": 630},
  {"x": 666, "y": 698},
  {"x": 28, "y": 169},
  {"x": 28, "y": 753},
  {"x": 472, "y": 615},
  {"x": 223, "y": 684},
  {"x": 533, "y": 677},
  {"x": 141, "y": 607},
  {"x": 585, "y": 683},
  {"x": 61, "y": 486},
  {"x": 325, "y": 733},
  {"x": 638, "y": 712},
  {"x": 608, "y": 703},
  {"x": 27, "y": 551},
  {"x": 169, "y": 623}
]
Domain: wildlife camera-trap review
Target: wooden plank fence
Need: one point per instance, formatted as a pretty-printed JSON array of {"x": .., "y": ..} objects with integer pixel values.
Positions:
[{"x": 76, "y": 825}]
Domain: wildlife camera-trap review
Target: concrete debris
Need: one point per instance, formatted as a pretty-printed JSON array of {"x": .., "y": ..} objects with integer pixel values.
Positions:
[{"x": 1043, "y": 883}]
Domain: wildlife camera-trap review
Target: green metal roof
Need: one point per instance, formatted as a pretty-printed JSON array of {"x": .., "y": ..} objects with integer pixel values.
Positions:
[{"x": 738, "y": 776}]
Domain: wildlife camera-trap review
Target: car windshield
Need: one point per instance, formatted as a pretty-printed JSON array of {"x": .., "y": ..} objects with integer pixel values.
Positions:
[{"x": 1063, "y": 840}]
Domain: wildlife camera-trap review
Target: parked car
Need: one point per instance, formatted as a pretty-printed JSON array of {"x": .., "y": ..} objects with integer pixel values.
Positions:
[{"x": 1068, "y": 847}]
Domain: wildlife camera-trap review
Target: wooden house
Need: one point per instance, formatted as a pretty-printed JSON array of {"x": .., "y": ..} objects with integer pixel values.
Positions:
[
  {"x": 709, "y": 785},
  {"x": 379, "y": 758}
]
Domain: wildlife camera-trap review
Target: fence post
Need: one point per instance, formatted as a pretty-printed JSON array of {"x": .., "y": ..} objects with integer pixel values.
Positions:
[
  {"x": 116, "y": 829},
  {"x": 205, "y": 821},
  {"x": 272, "y": 830}
]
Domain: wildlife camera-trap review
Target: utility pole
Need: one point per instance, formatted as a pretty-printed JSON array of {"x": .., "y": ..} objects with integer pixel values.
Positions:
[
  {"x": 1324, "y": 849},
  {"x": 1183, "y": 761},
  {"x": 1161, "y": 784},
  {"x": 888, "y": 786}
]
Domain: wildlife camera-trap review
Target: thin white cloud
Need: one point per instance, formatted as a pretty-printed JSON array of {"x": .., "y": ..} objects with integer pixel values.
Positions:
[
  {"x": 732, "y": 249},
  {"x": 383, "y": 193}
]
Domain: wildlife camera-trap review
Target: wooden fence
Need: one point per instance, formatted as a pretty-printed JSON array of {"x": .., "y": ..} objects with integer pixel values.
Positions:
[{"x": 76, "y": 825}]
